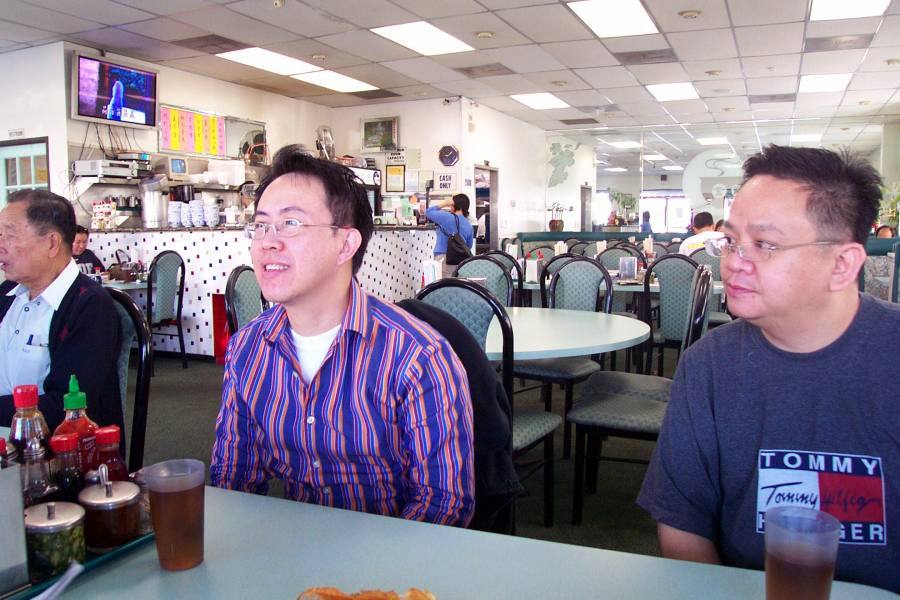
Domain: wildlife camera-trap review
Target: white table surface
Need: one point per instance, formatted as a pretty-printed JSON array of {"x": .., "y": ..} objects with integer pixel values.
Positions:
[
  {"x": 718, "y": 287},
  {"x": 126, "y": 286},
  {"x": 556, "y": 333},
  {"x": 259, "y": 547}
]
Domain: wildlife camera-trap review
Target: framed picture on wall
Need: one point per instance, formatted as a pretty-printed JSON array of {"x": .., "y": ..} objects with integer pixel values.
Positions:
[
  {"x": 381, "y": 134},
  {"x": 395, "y": 178}
]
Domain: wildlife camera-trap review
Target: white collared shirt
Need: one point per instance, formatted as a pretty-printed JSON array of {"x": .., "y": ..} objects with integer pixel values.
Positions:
[{"x": 25, "y": 333}]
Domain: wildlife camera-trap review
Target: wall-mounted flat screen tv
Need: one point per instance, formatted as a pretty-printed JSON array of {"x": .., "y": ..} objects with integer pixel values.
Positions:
[{"x": 113, "y": 93}]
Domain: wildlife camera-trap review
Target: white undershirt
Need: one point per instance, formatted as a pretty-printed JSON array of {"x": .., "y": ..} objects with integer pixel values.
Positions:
[{"x": 311, "y": 351}]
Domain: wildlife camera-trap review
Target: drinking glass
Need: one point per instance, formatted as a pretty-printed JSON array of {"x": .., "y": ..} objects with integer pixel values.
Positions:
[
  {"x": 801, "y": 548},
  {"x": 176, "y": 507}
]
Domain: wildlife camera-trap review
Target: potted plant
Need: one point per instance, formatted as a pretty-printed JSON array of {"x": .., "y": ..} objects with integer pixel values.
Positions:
[{"x": 556, "y": 223}]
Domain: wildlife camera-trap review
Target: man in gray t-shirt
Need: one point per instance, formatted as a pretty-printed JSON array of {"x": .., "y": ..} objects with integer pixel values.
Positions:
[{"x": 797, "y": 402}]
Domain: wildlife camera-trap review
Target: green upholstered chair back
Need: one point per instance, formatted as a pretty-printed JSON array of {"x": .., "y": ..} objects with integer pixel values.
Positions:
[
  {"x": 496, "y": 276},
  {"x": 675, "y": 273},
  {"x": 166, "y": 284},
  {"x": 243, "y": 298},
  {"x": 609, "y": 258},
  {"x": 579, "y": 284},
  {"x": 660, "y": 249}
]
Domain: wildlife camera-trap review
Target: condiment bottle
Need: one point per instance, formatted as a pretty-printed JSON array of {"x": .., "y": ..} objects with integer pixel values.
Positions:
[
  {"x": 27, "y": 422},
  {"x": 35, "y": 474},
  {"x": 69, "y": 478},
  {"x": 77, "y": 421},
  {"x": 108, "y": 453},
  {"x": 5, "y": 458},
  {"x": 55, "y": 535}
]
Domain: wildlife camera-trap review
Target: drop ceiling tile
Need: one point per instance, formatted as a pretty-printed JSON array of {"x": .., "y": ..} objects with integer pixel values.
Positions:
[
  {"x": 772, "y": 85},
  {"x": 855, "y": 109},
  {"x": 366, "y": 44},
  {"x": 547, "y": 23},
  {"x": 771, "y": 66},
  {"x": 698, "y": 117},
  {"x": 339, "y": 101},
  {"x": 636, "y": 43},
  {"x": 739, "y": 115},
  {"x": 762, "y": 12},
  {"x": 134, "y": 44},
  {"x": 889, "y": 32},
  {"x": 305, "y": 49},
  {"x": 777, "y": 110},
  {"x": 872, "y": 96},
  {"x": 621, "y": 121},
  {"x": 511, "y": 84},
  {"x": 42, "y": 18},
  {"x": 660, "y": 73},
  {"x": 875, "y": 59},
  {"x": 526, "y": 59},
  {"x": 642, "y": 109},
  {"x": 818, "y": 99},
  {"x": 435, "y": 9},
  {"x": 365, "y": 13},
  {"x": 546, "y": 79},
  {"x": 862, "y": 26},
  {"x": 838, "y": 61},
  {"x": 665, "y": 12},
  {"x": 102, "y": 11},
  {"x": 738, "y": 103},
  {"x": 716, "y": 43},
  {"x": 422, "y": 69},
  {"x": 685, "y": 107},
  {"x": 721, "y": 87},
  {"x": 471, "y": 88},
  {"x": 465, "y": 27},
  {"x": 293, "y": 16},
  {"x": 730, "y": 69},
  {"x": 418, "y": 92},
  {"x": 501, "y": 103},
  {"x": 607, "y": 77},
  {"x": 218, "y": 68},
  {"x": 13, "y": 32},
  {"x": 622, "y": 95},
  {"x": 583, "y": 98},
  {"x": 563, "y": 113},
  {"x": 165, "y": 29},
  {"x": 869, "y": 81},
  {"x": 286, "y": 86},
  {"x": 581, "y": 54},
  {"x": 227, "y": 23},
  {"x": 380, "y": 76},
  {"x": 763, "y": 40},
  {"x": 465, "y": 60},
  {"x": 165, "y": 7}
]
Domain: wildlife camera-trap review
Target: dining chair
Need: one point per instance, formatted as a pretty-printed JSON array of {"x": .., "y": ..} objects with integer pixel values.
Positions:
[
  {"x": 635, "y": 251},
  {"x": 122, "y": 257},
  {"x": 717, "y": 316},
  {"x": 623, "y": 303},
  {"x": 165, "y": 296},
  {"x": 579, "y": 248},
  {"x": 537, "y": 251},
  {"x": 630, "y": 405},
  {"x": 675, "y": 275},
  {"x": 513, "y": 266},
  {"x": 571, "y": 242},
  {"x": 580, "y": 283},
  {"x": 475, "y": 308},
  {"x": 660, "y": 249},
  {"x": 243, "y": 298},
  {"x": 673, "y": 246},
  {"x": 549, "y": 270},
  {"x": 134, "y": 325},
  {"x": 497, "y": 279}
]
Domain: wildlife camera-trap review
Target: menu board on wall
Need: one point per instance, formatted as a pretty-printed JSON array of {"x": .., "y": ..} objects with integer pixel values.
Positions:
[{"x": 191, "y": 132}]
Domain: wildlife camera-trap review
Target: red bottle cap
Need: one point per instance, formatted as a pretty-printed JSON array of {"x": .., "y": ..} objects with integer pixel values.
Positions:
[
  {"x": 25, "y": 396},
  {"x": 2, "y": 446},
  {"x": 108, "y": 435},
  {"x": 64, "y": 442}
]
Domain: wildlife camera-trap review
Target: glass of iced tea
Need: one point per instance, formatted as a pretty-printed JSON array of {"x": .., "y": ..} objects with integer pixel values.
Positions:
[
  {"x": 801, "y": 548},
  {"x": 176, "y": 507}
]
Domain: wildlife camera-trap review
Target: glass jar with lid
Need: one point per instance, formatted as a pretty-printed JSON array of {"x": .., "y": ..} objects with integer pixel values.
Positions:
[
  {"x": 113, "y": 511},
  {"x": 55, "y": 536}
]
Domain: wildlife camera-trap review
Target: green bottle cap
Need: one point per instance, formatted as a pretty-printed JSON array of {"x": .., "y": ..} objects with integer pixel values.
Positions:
[{"x": 75, "y": 399}]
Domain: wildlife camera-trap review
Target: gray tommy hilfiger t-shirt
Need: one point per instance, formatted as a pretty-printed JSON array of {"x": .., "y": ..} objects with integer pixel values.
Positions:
[{"x": 750, "y": 427}]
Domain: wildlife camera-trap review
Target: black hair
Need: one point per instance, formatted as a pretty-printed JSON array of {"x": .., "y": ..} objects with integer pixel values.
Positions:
[
  {"x": 344, "y": 194},
  {"x": 719, "y": 223},
  {"x": 646, "y": 216},
  {"x": 843, "y": 190},
  {"x": 80, "y": 229},
  {"x": 703, "y": 219},
  {"x": 461, "y": 202},
  {"x": 47, "y": 211},
  {"x": 888, "y": 227}
]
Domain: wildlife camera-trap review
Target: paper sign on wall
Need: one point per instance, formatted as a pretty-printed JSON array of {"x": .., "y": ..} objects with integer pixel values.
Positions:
[
  {"x": 445, "y": 182},
  {"x": 396, "y": 157},
  {"x": 414, "y": 158},
  {"x": 191, "y": 132}
]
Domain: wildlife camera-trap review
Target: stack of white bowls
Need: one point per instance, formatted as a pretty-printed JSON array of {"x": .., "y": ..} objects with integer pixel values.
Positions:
[
  {"x": 175, "y": 213},
  {"x": 196, "y": 212},
  {"x": 211, "y": 215}
]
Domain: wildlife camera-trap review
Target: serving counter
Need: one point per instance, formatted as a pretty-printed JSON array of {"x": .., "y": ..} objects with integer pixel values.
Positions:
[{"x": 391, "y": 269}]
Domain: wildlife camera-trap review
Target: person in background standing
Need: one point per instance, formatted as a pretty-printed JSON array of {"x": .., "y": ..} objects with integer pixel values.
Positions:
[
  {"x": 451, "y": 217},
  {"x": 86, "y": 260},
  {"x": 645, "y": 225}
]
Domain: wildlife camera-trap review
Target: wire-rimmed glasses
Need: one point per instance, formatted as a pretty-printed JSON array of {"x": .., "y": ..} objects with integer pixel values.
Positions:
[{"x": 754, "y": 251}]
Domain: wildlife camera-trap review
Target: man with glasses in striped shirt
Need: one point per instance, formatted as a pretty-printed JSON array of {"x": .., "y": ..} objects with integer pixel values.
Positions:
[{"x": 349, "y": 401}]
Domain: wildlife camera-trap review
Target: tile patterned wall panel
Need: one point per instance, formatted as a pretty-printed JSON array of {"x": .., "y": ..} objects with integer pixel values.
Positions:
[{"x": 391, "y": 269}]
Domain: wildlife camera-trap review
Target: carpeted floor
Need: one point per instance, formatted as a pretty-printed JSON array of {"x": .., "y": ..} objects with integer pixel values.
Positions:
[{"x": 184, "y": 404}]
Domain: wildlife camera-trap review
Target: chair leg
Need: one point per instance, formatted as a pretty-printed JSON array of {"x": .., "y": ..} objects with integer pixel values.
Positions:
[
  {"x": 548, "y": 480},
  {"x": 659, "y": 365},
  {"x": 547, "y": 396},
  {"x": 648, "y": 359},
  {"x": 567, "y": 427},
  {"x": 594, "y": 449},
  {"x": 181, "y": 343},
  {"x": 578, "y": 484}
]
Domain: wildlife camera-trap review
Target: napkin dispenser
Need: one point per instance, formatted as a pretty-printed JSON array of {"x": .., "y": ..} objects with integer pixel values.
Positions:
[{"x": 13, "y": 558}]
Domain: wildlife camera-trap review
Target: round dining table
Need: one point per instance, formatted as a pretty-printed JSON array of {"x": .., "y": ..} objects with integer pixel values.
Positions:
[{"x": 557, "y": 333}]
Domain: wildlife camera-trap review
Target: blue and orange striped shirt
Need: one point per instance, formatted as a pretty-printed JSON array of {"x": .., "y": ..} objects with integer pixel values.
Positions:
[{"x": 384, "y": 427}]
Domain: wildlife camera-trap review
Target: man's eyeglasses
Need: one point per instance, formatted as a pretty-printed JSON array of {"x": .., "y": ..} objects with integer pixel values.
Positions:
[
  {"x": 753, "y": 251},
  {"x": 283, "y": 228}
]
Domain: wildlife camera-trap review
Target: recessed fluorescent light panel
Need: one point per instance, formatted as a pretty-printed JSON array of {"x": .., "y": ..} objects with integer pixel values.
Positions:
[
  {"x": 269, "y": 61},
  {"x": 614, "y": 18},
  {"x": 423, "y": 37},
  {"x": 666, "y": 92},
  {"x": 824, "y": 83},
  {"x": 624, "y": 145},
  {"x": 713, "y": 141},
  {"x": 829, "y": 10},
  {"x": 654, "y": 157},
  {"x": 541, "y": 101},
  {"x": 673, "y": 168},
  {"x": 334, "y": 81},
  {"x": 616, "y": 169},
  {"x": 805, "y": 137}
]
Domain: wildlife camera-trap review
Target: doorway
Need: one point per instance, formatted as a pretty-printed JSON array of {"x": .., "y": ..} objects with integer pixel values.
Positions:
[
  {"x": 487, "y": 181},
  {"x": 586, "y": 207}
]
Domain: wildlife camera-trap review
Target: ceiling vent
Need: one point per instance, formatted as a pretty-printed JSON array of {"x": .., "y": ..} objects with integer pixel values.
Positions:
[
  {"x": 646, "y": 57},
  {"x": 838, "y": 42},
  {"x": 767, "y": 98},
  {"x": 374, "y": 94},
  {"x": 579, "y": 121},
  {"x": 489, "y": 70},
  {"x": 211, "y": 44}
]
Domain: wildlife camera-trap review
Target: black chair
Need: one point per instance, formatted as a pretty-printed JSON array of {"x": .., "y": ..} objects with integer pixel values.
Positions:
[
  {"x": 511, "y": 265},
  {"x": 635, "y": 251},
  {"x": 550, "y": 268},
  {"x": 571, "y": 242},
  {"x": 675, "y": 274},
  {"x": 660, "y": 249},
  {"x": 134, "y": 324},
  {"x": 243, "y": 298},
  {"x": 495, "y": 273},
  {"x": 895, "y": 278},
  {"x": 579, "y": 248},
  {"x": 165, "y": 296},
  {"x": 122, "y": 257},
  {"x": 476, "y": 308},
  {"x": 630, "y": 405},
  {"x": 717, "y": 316}
]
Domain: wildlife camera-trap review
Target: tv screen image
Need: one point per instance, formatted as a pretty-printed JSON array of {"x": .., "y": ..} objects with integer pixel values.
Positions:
[{"x": 115, "y": 93}]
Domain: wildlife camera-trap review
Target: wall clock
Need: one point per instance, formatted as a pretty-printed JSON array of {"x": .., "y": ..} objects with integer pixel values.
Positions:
[{"x": 448, "y": 155}]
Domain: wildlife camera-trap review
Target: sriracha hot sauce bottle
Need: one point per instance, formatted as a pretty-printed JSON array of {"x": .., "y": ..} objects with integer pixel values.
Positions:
[
  {"x": 77, "y": 421},
  {"x": 108, "y": 453}
]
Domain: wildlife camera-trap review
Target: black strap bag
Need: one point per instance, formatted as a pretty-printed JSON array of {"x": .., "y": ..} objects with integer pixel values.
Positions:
[{"x": 457, "y": 250}]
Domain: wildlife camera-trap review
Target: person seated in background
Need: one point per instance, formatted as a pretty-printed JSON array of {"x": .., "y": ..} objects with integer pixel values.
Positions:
[
  {"x": 645, "y": 225},
  {"x": 885, "y": 231},
  {"x": 703, "y": 230},
  {"x": 788, "y": 405},
  {"x": 54, "y": 320},
  {"x": 450, "y": 217},
  {"x": 86, "y": 260},
  {"x": 349, "y": 401},
  {"x": 613, "y": 218},
  {"x": 720, "y": 224}
]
